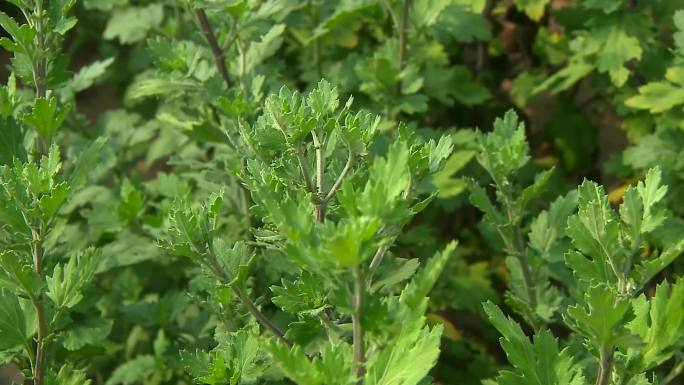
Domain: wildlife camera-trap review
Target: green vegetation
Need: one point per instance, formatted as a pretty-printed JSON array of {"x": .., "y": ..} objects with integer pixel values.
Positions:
[{"x": 355, "y": 192}]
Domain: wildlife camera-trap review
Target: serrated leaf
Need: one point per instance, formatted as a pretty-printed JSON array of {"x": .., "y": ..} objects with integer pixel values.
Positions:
[
  {"x": 536, "y": 362},
  {"x": 46, "y": 118},
  {"x": 17, "y": 275},
  {"x": 601, "y": 319},
  {"x": 84, "y": 78},
  {"x": 65, "y": 284},
  {"x": 659, "y": 322},
  {"x": 421, "y": 284},
  {"x": 90, "y": 332}
]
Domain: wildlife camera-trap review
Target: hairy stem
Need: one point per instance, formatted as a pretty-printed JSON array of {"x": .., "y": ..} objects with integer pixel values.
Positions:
[
  {"x": 320, "y": 186},
  {"x": 216, "y": 50},
  {"x": 359, "y": 349},
  {"x": 605, "y": 366},
  {"x": 41, "y": 343}
]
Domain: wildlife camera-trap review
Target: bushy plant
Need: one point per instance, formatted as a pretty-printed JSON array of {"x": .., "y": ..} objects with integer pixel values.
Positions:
[{"x": 271, "y": 191}]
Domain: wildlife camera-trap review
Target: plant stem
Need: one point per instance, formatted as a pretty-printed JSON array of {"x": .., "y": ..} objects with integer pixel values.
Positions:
[
  {"x": 304, "y": 169},
  {"x": 216, "y": 50},
  {"x": 359, "y": 350},
  {"x": 402, "y": 40},
  {"x": 320, "y": 167},
  {"x": 40, "y": 67},
  {"x": 340, "y": 178},
  {"x": 260, "y": 317},
  {"x": 605, "y": 366},
  {"x": 377, "y": 258},
  {"x": 517, "y": 247},
  {"x": 41, "y": 343},
  {"x": 214, "y": 266}
]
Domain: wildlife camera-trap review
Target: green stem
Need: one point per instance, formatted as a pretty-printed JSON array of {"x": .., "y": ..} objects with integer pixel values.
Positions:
[
  {"x": 259, "y": 316},
  {"x": 212, "y": 263},
  {"x": 40, "y": 68},
  {"x": 518, "y": 248},
  {"x": 340, "y": 178},
  {"x": 320, "y": 167},
  {"x": 605, "y": 366},
  {"x": 359, "y": 349},
  {"x": 41, "y": 343}
]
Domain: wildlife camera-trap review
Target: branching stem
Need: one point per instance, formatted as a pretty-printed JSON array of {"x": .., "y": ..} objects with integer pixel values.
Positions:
[
  {"x": 214, "y": 266},
  {"x": 259, "y": 316},
  {"x": 340, "y": 179}
]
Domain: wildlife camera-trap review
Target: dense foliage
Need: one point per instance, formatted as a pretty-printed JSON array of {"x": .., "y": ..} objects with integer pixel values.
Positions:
[{"x": 377, "y": 192}]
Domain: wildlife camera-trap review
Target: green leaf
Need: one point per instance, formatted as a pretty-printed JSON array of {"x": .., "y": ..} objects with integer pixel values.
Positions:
[
  {"x": 415, "y": 292},
  {"x": 234, "y": 261},
  {"x": 534, "y": 190},
  {"x": 46, "y": 118},
  {"x": 645, "y": 271},
  {"x": 67, "y": 376},
  {"x": 504, "y": 150},
  {"x": 612, "y": 47},
  {"x": 463, "y": 24},
  {"x": 657, "y": 97},
  {"x": 536, "y": 362},
  {"x": 651, "y": 193},
  {"x": 594, "y": 231},
  {"x": 132, "y": 24},
  {"x": 14, "y": 331},
  {"x": 294, "y": 363},
  {"x": 601, "y": 319},
  {"x": 549, "y": 226},
  {"x": 409, "y": 356},
  {"x": 660, "y": 323},
  {"x": 267, "y": 47},
  {"x": 533, "y": 8},
  {"x": 84, "y": 78},
  {"x": 607, "y": 6},
  {"x": 18, "y": 275},
  {"x": 303, "y": 295},
  {"x": 11, "y": 141},
  {"x": 135, "y": 371},
  {"x": 65, "y": 284},
  {"x": 90, "y": 332},
  {"x": 323, "y": 99}
]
